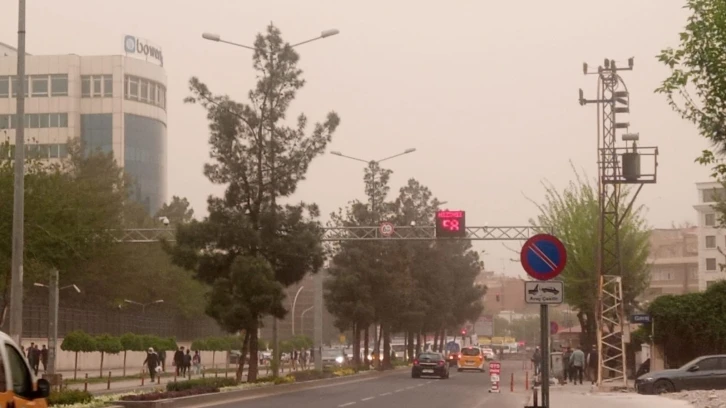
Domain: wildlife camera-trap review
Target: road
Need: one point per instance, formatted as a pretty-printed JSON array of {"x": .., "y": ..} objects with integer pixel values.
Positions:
[{"x": 397, "y": 389}]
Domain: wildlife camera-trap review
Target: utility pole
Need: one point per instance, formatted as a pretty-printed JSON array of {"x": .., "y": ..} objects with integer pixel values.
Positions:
[
  {"x": 618, "y": 166},
  {"x": 16, "y": 282},
  {"x": 53, "y": 299}
]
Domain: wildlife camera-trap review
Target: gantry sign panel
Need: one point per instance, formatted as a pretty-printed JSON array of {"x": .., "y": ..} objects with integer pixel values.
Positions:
[{"x": 409, "y": 233}]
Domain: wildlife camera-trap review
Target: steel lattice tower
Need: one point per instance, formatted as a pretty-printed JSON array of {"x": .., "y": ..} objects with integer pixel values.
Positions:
[{"x": 616, "y": 166}]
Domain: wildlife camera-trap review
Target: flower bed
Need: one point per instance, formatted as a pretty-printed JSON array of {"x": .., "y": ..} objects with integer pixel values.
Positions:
[{"x": 159, "y": 395}]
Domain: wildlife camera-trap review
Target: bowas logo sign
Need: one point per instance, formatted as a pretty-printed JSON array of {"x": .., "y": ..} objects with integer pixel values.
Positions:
[{"x": 141, "y": 47}]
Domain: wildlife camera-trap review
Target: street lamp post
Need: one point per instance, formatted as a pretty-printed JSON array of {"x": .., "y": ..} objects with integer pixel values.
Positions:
[
  {"x": 54, "y": 299},
  {"x": 294, "y": 302},
  {"x": 18, "y": 241},
  {"x": 143, "y": 305},
  {"x": 275, "y": 341},
  {"x": 302, "y": 319},
  {"x": 319, "y": 277}
]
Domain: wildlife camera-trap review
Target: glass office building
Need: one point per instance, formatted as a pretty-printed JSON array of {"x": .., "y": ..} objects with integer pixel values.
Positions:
[{"x": 114, "y": 104}]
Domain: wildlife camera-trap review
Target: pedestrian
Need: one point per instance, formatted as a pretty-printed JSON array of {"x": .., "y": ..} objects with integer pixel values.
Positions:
[
  {"x": 179, "y": 360},
  {"x": 536, "y": 360},
  {"x": 187, "y": 363},
  {"x": 36, "y": 359},
  {"x": 151, "y": 361},
  {"x": 197, "y": 362},
  {"x": 162, "y": 359},
  {"x": 566, "y": 366},
  {"x": 44, "y": 358},
  {"x": 577, "y": 361},
  {"x": 592, "y": 364}
]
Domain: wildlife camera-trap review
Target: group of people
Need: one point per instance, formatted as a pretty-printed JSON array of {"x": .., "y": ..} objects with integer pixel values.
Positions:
[
  {"x": 576, "y": 364},
  {"x": 36, "y": 356},
  {"x": 183, "y": 362}
]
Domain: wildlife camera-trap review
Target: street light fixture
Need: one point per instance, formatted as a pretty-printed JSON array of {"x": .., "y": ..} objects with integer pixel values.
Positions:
[
  {"x": 294, "y": 303},
  {"x": 143, "y": 305},
  {"x": 53, "y": 302},
  {"x": 217, "y": 38}
]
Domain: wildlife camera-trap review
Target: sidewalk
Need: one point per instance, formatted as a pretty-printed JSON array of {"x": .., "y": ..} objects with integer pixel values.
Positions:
[
  {"x": 132, "y": 385},
  {"x": 578, "y": 396}
]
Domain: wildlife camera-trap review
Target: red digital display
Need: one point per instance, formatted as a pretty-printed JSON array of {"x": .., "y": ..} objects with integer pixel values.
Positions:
[{"x": 450, "y": 224}]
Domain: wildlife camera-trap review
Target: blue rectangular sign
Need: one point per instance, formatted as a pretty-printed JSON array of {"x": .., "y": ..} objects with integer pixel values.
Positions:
[{"x": 640, "y": 318}]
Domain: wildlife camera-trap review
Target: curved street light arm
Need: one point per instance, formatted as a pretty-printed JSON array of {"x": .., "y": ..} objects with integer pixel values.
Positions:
[{"x": 407, "y": 151}]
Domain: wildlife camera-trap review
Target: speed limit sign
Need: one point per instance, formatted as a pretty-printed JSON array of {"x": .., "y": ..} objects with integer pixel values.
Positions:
[{"x": 386, "y": 229}]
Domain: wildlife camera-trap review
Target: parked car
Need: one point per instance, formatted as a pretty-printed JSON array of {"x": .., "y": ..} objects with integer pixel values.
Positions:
[
  {"x": 702, "y": 373},
  {"x": 333, "y": 358},
  {"x": 433, "y": 364}
]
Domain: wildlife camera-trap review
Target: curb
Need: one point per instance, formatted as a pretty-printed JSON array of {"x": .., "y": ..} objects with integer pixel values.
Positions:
[{"x": 261, "y": 392}]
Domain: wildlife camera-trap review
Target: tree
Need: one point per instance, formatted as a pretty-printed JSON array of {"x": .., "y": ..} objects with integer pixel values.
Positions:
[
  {"x": 178, "y": 211},
  {"x": 696, "y": 88},
  {"x": 107, "y": 344},
  {"x": 572, "y": 215},
  {"x": 698, "y": 319},
  {"x": 248, "y": 238},
  {"x": 130, "y": 342},
  {"x": 78, "y": 342},
  {"x": 71, "y": 208}
]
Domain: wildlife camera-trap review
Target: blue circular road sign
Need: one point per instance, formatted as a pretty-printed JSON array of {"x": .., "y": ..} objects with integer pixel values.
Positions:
[{"x": 543, "y": 257}]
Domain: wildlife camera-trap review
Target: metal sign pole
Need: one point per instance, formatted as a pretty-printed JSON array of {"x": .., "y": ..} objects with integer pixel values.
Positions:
[{"x": 544, "y": 345}]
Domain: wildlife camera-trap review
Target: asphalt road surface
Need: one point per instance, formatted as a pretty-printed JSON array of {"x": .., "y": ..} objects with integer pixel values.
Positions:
[{"x": 462, "y": 390}]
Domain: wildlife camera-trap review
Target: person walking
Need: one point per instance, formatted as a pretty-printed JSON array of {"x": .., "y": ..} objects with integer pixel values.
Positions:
[
  {"x": 187, "y": 363},
  {"x": 537, "y": 360},
  {"x": 44, "y": 358},
  {"x": 151, "y": 361},
  {"x": 36, "y": 359},
  {"x": 566, "y": 366},
  {"x": 179, "y": 360},
  {"x": 197, "y": 362},
  {"x": 577, "y": 361},
  {"x": 162, "y": 359}
]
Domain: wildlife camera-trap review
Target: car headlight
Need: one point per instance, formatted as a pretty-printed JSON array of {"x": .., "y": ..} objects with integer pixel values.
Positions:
[
  {"x": 339, "y": 359},
  {"x": 646, "y": 379}
]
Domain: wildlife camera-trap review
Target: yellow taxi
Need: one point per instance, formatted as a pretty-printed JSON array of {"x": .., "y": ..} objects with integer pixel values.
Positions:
[
  {"x": 18, "y": 386},
  {"x": 471, "y": 358}
]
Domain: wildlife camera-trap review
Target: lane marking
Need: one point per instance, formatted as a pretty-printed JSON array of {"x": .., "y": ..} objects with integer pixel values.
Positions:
[
  {"x": 400, "y": 389},
  {"x": 411, "y": 387},
  {"x": 385, "y": 394},
  {"x": 367, "y": 399},
  {"x": 420, "y": 385},
  {"x": 346, "y": 404}
]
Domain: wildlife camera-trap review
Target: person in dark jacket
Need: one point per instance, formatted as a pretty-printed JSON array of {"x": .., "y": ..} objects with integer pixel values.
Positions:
[
  {"x": 566, "y": 366},
  {"x": 152, "y": 361},
  {"x": 179, "y": 360},
  {"x": 592, "y": 364},
  {"x": 537, "y": 360},
  {"x": 187, "y": 363},
  {"x": 36, "y": 358},
  {"x": 162, "y": 359},
  {"x": 44, "y": 358}
]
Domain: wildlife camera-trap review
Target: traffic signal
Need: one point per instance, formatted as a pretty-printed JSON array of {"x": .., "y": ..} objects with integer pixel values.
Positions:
[
  {"x": 497, "y": 297},
  {"x": 463, "y": 331},
  {"x": 450, "y": 224}
]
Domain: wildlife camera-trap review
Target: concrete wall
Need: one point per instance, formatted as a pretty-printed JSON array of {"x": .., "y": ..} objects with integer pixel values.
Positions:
[{"x": 134, "y": 359}]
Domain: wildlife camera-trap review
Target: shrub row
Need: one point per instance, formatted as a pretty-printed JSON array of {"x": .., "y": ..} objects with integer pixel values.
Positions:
[
  {"x": 69, "y": 397},
  {"x": 158, "y": 395},
  {"x": 201, "y": 383}
]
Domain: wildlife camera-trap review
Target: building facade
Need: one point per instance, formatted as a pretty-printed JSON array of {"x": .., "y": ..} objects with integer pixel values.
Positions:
[
  {"x": 114, "y": 104},
  {"x": 711, "y": 238},
  {"x": 673, "y": 261}
]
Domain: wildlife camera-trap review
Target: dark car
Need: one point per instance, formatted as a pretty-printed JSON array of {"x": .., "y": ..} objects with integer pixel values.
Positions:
[
  {"x": 702, "y": 373},
  {"x": 433, "y": 364}
]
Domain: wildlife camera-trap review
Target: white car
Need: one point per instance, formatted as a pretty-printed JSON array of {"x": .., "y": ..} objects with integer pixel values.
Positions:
[{"x": 488, "y": 353}]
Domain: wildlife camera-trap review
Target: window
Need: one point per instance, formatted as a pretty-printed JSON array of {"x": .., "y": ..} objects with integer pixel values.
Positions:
[
  {"x": 43, "y": 120},
  {"x": 40, "y": 85},
  {"x": 22, "y": 382},
  {"x": 108, "y": 86},
  {"x": 133, "y": 88},
  {"x": 710, "y": 220},
  {"x": 710, "y": 264},
  {"x": 709, "y": 364},
  {"x": 710, "y": 241},
  {"x": 96, "y": 86},
  {"x": 712, "y": 195},
  {"x": 143, "y": 90},
  {"x": 16, "y": 86},
  {"x": 86, "y": 86},
  {"x": 470, "y": 351},
  {"x": 4, "y": 121},
  {"x": 59, "y": 85},
  {"x": 4, "y": 87},
  {"x": 62, "y": 120}
]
